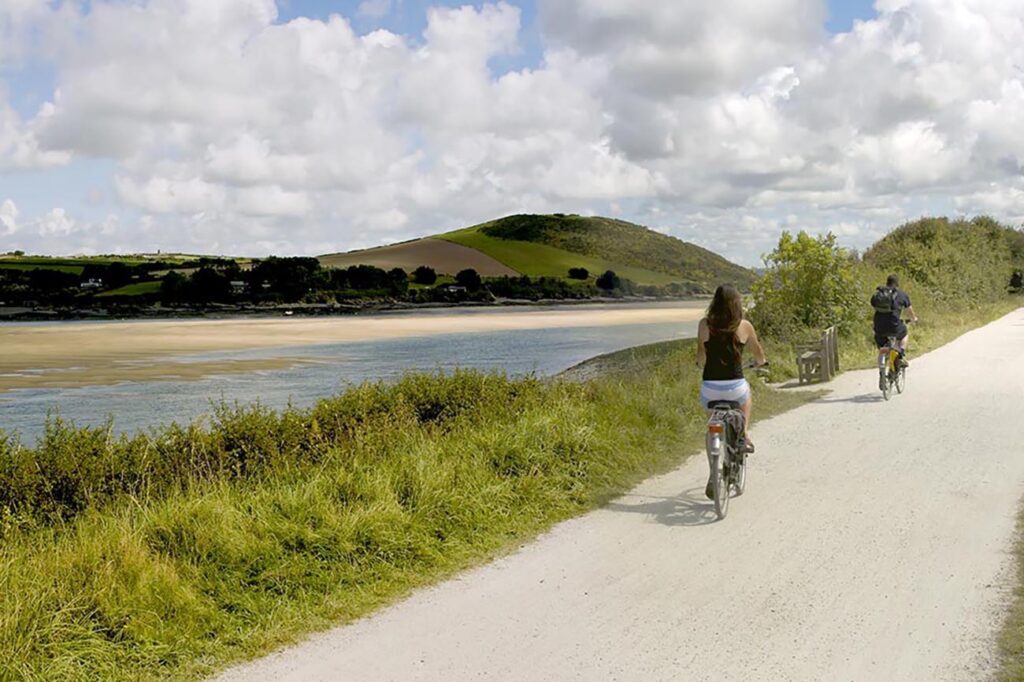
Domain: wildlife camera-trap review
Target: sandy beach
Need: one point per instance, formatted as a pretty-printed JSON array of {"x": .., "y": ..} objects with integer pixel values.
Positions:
[{"x": 80, "y": 354}]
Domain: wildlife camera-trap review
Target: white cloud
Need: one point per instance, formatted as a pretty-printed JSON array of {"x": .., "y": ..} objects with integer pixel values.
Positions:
[
  {"x": 8, "y": 218},
  {"x": 271, "y": 201},
  {"x": 19, "y": 145},
  {"x": 56, "y": 223},
  {"x": 721, "y": 122},
  {"x": 166, "y": 195}
]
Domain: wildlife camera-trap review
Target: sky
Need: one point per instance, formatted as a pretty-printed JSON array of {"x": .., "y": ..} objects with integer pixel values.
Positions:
[{"x": 252, "y": 127}]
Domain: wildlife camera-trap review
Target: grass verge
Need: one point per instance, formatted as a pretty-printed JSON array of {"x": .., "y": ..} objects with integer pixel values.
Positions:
[
  {"x": 1011, "y": 638},
  {"x": 938, "y": 327},
  {"x": 173, "y": 554}
]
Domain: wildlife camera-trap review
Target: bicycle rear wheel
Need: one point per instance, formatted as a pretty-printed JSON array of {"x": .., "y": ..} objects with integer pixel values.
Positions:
[
  {"x": 720, "y": 487},
  {"x": 901, "y": 379},
  {"x": 885, "y": 383},
  {"x": 740, "y": 479}
]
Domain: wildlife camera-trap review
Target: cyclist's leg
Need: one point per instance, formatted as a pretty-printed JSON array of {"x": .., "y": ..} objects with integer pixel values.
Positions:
[
  {"x": 904, "y": 339},
  {"x": 746, "y": 407},
  {"x": 708, "y": 488},
  {"x": 882, "y": 343}
]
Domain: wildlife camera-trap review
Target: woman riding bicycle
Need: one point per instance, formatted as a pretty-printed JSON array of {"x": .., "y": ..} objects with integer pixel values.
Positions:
[{"x": 721, "y": 337}]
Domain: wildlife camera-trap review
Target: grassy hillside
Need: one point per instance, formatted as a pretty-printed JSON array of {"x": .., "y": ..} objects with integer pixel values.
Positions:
[
  {"x": 615, "y": 242},
  {"x": 541, "y": 260}
]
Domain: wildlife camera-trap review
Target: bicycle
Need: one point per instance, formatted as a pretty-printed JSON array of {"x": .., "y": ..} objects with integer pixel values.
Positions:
[
  {"x": 891, "y": 372},
  {"x": 727, "y": 450}
]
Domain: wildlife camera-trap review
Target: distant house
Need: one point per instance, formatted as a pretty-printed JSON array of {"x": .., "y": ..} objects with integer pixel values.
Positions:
[
  {"x": 237, "y": 286},
  {"x": 455, "y": 289},
  {"x": 91, "y": 283}
]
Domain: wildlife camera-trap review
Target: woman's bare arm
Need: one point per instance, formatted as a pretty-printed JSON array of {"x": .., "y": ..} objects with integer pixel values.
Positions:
[
  {"x": 755, "y": 344},
  {"x": 702, "y": 336}
]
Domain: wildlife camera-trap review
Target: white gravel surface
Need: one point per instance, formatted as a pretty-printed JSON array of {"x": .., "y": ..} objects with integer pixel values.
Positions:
[{"x": 873, "y": 543}]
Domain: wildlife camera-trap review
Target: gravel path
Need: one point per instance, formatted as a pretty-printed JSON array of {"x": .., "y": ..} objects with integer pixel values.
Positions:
[{"x": 872, "y": 544}]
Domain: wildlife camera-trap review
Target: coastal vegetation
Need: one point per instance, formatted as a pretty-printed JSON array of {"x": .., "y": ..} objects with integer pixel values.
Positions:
[
  {"x": 957, "y": 273},
  {"x": 171, "y": 553}
]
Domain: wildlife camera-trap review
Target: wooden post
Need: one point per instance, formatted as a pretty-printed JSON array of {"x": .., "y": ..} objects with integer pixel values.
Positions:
[{"x": 835, "y": 348}]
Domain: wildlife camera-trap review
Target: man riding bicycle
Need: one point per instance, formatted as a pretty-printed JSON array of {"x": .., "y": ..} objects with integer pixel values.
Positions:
[{"x": 889, "y": 303}]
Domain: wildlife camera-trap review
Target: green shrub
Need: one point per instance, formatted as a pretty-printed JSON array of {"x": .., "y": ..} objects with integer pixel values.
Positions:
[
  {"x": 809, "y": 284},
  {"x": 960, "y": 262}
]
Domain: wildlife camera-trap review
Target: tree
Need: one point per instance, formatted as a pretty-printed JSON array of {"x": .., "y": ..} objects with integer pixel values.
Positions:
[
  {"x": 172, "y": 288},
  {"x": 291, "y": 278},
  {"x": 118, "y": 274},
  {"x": 578, "y": 273},
  {"x": 808, "y": 284},
  {"x": 208, "y": 284},
  {"x": 399, "y": 280},
  {"x": 424, "y": 275},
  {"x": 368, "y": 277},
  {"x": 469, "y": 278},
  {"x": 608, "y": 281}
]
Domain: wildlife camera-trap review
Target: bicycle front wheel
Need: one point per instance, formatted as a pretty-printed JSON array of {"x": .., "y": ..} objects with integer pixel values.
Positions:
[{"x": 901, "y": 379}]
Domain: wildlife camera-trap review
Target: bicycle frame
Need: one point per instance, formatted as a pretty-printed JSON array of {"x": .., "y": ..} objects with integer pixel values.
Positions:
[
  {"x": 888, "y": 355},
  {"x": 724, "y": 457}
]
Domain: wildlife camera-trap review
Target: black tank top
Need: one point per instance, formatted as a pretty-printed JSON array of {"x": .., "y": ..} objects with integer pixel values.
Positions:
[{"x": 724, "y": 357}]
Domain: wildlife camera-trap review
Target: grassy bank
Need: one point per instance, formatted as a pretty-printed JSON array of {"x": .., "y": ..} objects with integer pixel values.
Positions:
[
  {"x": 1011, "y": 639},
  {"x": 175, "y": 553}
]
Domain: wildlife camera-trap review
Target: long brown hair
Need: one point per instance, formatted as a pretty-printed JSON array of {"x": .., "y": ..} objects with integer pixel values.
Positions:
[{"x": 726, "y": 310}]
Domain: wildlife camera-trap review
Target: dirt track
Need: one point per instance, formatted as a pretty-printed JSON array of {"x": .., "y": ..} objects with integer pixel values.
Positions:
[{"x": 872, "y": 544}]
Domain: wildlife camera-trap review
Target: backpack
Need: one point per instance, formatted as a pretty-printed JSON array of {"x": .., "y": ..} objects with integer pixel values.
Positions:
[{"x": 884, "y": 301}]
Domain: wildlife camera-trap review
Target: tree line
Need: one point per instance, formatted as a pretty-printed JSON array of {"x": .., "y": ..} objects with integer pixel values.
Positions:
[{"x": 291, "y": 280}]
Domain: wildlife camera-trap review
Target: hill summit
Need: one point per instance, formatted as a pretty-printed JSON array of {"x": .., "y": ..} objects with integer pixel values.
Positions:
[{"x": 551, "y": 245}]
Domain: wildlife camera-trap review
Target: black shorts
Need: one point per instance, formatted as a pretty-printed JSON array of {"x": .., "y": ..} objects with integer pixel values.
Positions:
[{"x": 882, "y": 340}]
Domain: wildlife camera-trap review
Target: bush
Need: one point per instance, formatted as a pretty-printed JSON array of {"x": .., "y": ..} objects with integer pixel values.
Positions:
[
  {"x": 1017, "y": 281},
  {"x": 470, "y": 279},
  {"x": 609, "y": 281},
  {"x": 578, "y": 273},
  {"x": 962, "y": 261},
  {"x": 424, "y": 275},
  {"x": 809, "y": 283}
]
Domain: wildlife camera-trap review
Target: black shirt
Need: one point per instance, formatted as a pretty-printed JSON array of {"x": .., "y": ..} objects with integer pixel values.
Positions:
[
  {"x": 724, "y": 357},
  {"x": 891, "y": 323}
]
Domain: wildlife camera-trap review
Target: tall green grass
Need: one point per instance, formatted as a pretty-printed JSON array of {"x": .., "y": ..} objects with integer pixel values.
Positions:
[{"x": 173, "y": 553}]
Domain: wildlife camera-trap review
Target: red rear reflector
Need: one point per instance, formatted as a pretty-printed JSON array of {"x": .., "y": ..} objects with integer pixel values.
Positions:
[{"x": 716, "y": 428}]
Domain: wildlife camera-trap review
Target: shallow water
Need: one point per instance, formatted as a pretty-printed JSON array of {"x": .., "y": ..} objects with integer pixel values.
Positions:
[{"x": 330, "y": 368}]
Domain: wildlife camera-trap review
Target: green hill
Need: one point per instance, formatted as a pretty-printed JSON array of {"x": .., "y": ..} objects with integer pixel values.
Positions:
[
  {"x": 548, "y": 245},
  {"x": 952, "y": 259}
]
